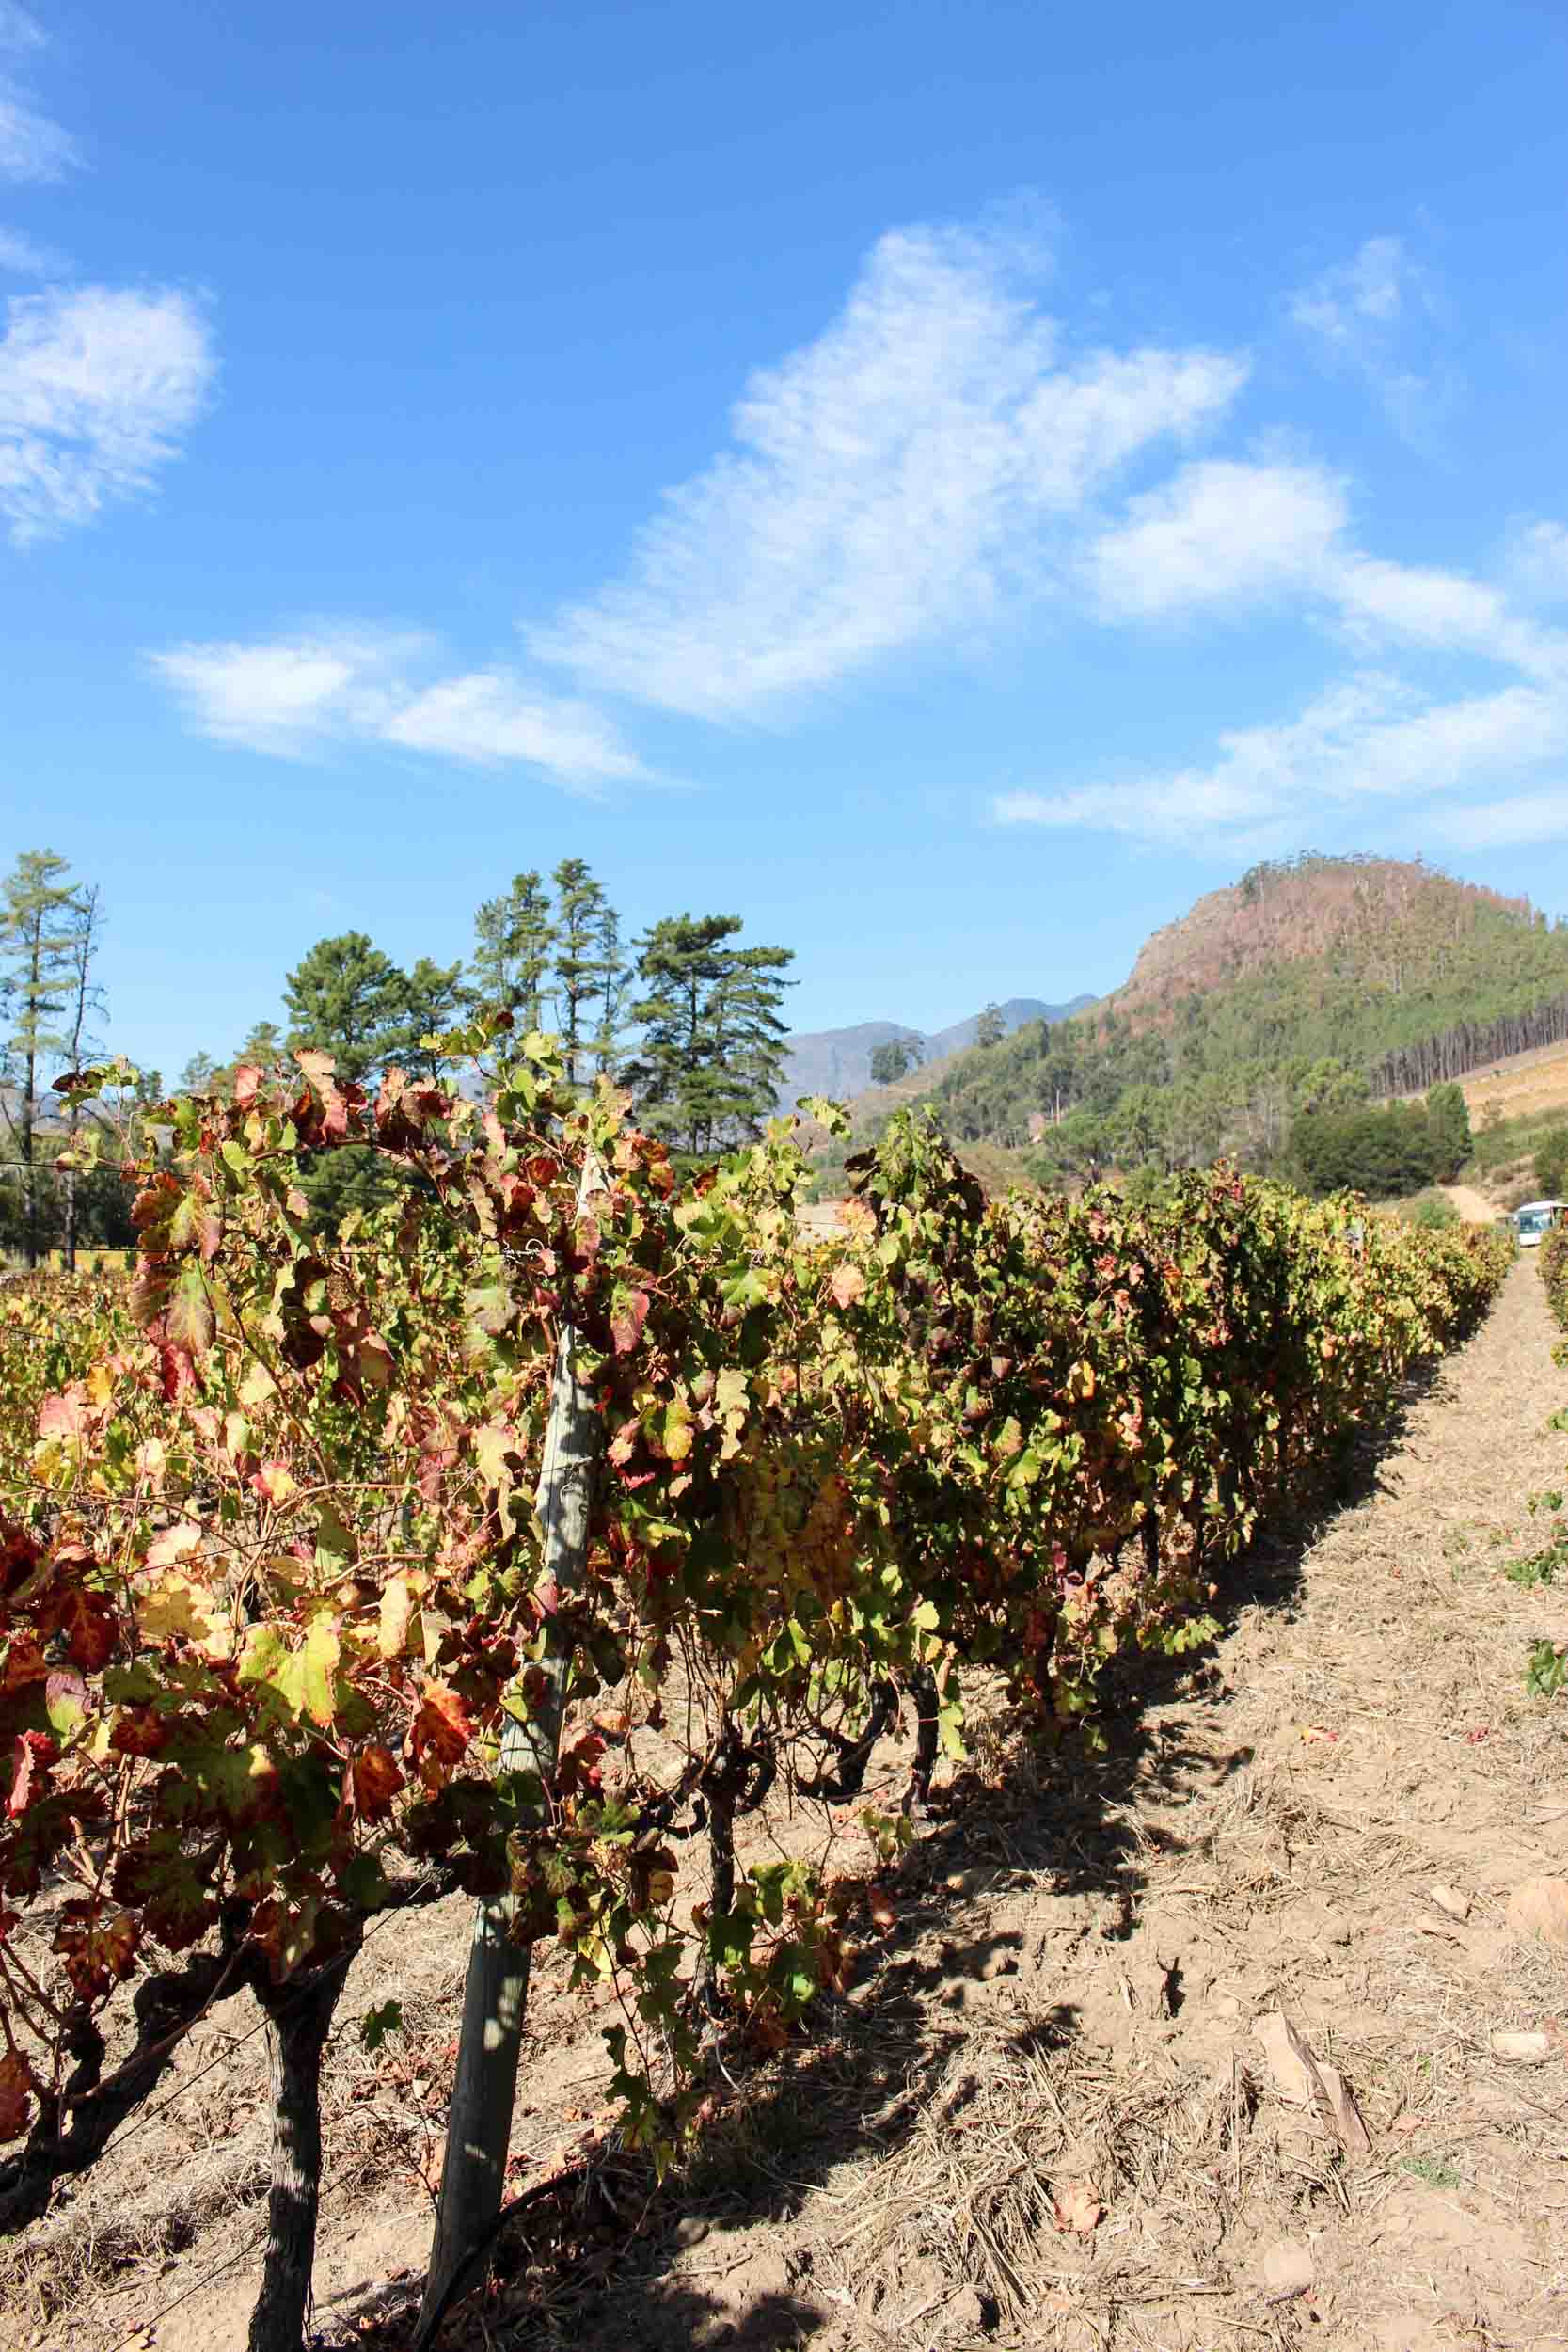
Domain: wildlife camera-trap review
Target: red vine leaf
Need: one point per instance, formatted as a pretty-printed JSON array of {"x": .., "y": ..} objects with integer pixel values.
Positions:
[
  {"x": 18, "y": 2089},
  {"x": 31, "y": 1757},
  {"x": 439, "y": 1735},
  {"x": 628, "y": 1313},
  {"x": 376, "y": 1780}
]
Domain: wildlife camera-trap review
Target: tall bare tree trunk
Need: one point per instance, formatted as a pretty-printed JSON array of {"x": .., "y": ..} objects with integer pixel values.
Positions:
[
  {"x": 29, "y": 1166},
  {"x": 86, "y": 931},
  {"x": 36, "y": 901}
]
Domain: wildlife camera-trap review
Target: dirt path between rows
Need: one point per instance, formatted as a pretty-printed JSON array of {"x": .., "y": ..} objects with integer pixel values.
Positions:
[
  {"x": 1081, "y": 2032},
  {"x": 1045, "y": 2116}
]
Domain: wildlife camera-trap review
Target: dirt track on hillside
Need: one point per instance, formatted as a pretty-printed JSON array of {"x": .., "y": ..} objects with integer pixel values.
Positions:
[
  {"x": 1045, "y": 2116},
  {"x": 1473, "y": 1206}
]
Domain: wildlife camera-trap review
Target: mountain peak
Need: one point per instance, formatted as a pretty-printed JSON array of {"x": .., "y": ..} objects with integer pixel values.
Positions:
[
  {"x": 837, "y": 1062},
  {"x": 1285, "y": 911}
]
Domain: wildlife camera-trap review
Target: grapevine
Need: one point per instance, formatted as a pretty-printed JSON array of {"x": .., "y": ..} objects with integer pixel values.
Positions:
[{"x": 272, "y": 1582}]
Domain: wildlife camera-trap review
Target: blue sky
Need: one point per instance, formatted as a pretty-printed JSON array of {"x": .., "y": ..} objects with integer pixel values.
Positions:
[{"x": 947, "y": 484}]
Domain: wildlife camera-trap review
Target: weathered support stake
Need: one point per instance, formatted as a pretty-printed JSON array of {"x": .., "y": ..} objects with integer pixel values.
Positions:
[{"x": 495, "y": 1998}]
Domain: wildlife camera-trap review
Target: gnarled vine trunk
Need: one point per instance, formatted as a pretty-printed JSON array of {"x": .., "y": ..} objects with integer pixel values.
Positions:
[
  {"x": 299, "y": 2017},
  {"x": 927, "y": 1727}
]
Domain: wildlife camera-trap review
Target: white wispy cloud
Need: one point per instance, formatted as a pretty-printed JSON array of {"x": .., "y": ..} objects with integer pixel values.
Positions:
[
  {"x": 1374, "y": 736},
  {"x": 1375, "y": 315},
  {"x": 24, "y": 257},
  {"x": 1370, "y": 738},
  {"x": 1222, "y": 533},
  {"x": 1245, "y": 535},
  {"x": 97, "y": 387},
  {"x": 939, "y": 455},
  {"x": 1373, "y": 289},
  {"x": 1255, "y": 771},
  {"x": 892, "y": 481},
  {"x": 289, "y": 694},
  {"x": 32, "y": 147},
  {"x": 931, "y": 453},
  {"x": 1442, "y": 612},
  {"x": 97, "y": 384},
  {"x": 295, "y": 695},
  {"x": 20, "y": 30},
  {"x": 1537, "y": 562},
  {"x": 493, "y": 717},
  {"x": 1508, "y": 823}
]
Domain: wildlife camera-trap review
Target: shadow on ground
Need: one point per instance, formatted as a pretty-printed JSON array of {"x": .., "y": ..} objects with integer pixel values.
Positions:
[{"x": 616, "y": 2260}]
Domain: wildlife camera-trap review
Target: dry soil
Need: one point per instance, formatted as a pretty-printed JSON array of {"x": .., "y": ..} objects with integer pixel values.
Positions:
[{"x": 1065, "y": 2103}]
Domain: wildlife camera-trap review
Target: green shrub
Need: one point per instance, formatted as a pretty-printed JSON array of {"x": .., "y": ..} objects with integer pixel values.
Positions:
[
  {"x": 1431, "y": 1210},
  {"x": 1388, "y": 1153},
  {"x": 1551, "y": 1163},
  {"x": 1448, "y": 1116}
]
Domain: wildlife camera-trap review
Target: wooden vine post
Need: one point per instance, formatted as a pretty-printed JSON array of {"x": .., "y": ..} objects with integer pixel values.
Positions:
[{"x": 495, "y": 1998}]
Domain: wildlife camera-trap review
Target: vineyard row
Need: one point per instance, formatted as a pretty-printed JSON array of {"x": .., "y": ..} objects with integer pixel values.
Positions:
[{"x": 522, "y": 1537}]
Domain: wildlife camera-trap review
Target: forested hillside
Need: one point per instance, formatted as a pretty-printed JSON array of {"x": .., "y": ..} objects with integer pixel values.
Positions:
[{"x": 1279, "y": 996}]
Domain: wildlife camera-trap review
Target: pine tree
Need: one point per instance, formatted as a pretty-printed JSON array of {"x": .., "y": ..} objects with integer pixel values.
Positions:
[
  {"x": 677, "y": 966},
  {"x": 262, "y": 1047},
  {"x": 894, "y": 1059},
  {"x": 435, "y": 999},
  {"x": 347, "y": 999},
  {"x": 580, "y": 907},
  {"x": 710, "y": 1058},
  {"x": 512, "y": 959},
  {"x": 611, "y": 985},
  {"x": 750, "y": 1033},
  {"x": 36, "y": 970}
]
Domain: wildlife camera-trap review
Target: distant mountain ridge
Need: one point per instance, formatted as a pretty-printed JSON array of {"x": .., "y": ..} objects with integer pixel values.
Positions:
[
  {"x": 1305, "y": 984},
  {"x": 837, "y": 1062}
]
